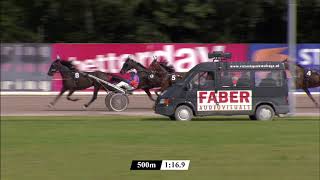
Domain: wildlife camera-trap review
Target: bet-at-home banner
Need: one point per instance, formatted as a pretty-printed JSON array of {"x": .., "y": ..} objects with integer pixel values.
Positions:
[{"x": 110, "y": 57}]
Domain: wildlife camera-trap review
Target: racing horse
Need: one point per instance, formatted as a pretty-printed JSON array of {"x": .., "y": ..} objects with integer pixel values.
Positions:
[
  {"x": 167, "y": 72},
  {"x": 148, "y": 78},
  {"x": 305, "y": 79},
  {"x": 73, "y": 80}
]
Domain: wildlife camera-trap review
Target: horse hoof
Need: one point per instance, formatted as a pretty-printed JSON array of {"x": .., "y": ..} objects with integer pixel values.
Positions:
[
  {"x": 50, "y": 105},
  {"x": 70, "y": 99},
  {"x": 84, "y": 107}
]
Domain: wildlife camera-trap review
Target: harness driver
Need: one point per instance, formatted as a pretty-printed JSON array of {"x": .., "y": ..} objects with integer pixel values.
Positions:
[{"x": 131, "y": 83}]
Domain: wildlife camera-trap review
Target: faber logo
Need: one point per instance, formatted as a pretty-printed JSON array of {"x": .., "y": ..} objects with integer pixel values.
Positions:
[{"x": 238, "y": 100}]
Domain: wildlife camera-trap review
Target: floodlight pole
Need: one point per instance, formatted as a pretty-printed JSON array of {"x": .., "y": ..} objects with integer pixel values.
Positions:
[{"x": 292, "y": 48}]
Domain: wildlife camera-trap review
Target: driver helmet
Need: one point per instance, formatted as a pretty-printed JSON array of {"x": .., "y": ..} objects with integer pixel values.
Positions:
[{"x": 132, "y": 74}]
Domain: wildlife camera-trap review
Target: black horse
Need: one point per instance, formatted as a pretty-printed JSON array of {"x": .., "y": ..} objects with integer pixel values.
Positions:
[
  {"x": 148, "y": 79},
  {"x": 74, "y": 80},
  {"x": 305, "y": 79}
]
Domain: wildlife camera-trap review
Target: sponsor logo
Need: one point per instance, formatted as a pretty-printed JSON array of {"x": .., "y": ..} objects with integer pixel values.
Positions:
[
  {"x": 182, "y": 59},
  {"x": 309, "y": 56},
  {"x": 270, "y": 54},
  {"x": 237, "y": 100},
  {"x": 305, "y": 56}
]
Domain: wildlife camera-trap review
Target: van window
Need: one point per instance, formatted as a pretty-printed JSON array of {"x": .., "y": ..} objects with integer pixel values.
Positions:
[
  {"x": 203, "y": 80},
  {"x": 268, "y": 79},
  {"x": 235, "y": 79}
]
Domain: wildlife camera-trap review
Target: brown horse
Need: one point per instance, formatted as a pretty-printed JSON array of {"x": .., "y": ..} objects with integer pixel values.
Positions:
[
  {"x": 167, "y": 72},
  {"x": 305, "y": 79},
  {"x": 147, "y": 78}
]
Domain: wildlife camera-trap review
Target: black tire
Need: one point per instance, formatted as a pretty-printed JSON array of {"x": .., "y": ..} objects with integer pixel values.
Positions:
[
  {"x": 107, "y": 100},
  {"x": 183, "y": 113},
  {"x": 264, "y": 113},
  {"x": 252, "y": 117},
  {"x": 117, "y": 102}
]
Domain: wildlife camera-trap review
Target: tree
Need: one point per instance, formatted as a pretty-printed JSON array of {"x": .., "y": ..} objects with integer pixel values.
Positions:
[{"x": 121, "y": 21}]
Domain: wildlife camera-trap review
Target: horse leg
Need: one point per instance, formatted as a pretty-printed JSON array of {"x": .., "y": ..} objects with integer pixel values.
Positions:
[
  {"x": 149, "y": 94},
  {"x": 310, "y": 96},
  {"x": 71, "y": 99},
  {"x": 162, "y": 88},
  {"x": 157, "y": 92},
  {"x": 94, "y": 97},
  {"x": 51, "y": 104}
]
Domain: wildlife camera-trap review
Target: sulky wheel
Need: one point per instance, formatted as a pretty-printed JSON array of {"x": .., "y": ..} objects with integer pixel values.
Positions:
[
  {"x": 117, "y": 102},
  {"x": 107, "y": 99}
]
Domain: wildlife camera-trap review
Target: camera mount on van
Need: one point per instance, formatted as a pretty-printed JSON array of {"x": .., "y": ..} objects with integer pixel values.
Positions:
[{"x": 219, "y": 55}]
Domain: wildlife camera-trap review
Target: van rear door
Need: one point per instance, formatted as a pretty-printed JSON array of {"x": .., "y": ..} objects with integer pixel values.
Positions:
[{"x": 270, "y": 86}]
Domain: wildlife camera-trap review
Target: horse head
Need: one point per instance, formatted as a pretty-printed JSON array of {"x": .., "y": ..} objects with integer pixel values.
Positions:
[
  {"x": 285, "y": 62},
  {"x": 54, "y": 67},
  {"x": 58, "y": 64},
  {"x": 155, "y": 66},
  {"x": 131, "y": 64},
  {"x": 126, "y": 66},
  {"x": 161, "y": 65}
]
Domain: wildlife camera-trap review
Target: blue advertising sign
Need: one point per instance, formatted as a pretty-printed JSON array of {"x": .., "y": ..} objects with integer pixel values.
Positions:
[{"x": 307, "y": 55}]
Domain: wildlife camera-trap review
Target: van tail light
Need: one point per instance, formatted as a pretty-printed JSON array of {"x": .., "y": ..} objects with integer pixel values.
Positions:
[{"x": 165, "y": 102}]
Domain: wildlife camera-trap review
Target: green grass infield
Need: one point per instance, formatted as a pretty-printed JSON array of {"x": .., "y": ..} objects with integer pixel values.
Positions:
[{"x": 102, "y": 148}]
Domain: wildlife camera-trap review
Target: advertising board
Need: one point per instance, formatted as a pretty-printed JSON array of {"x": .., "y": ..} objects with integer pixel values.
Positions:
[
  {"x": 307, "y": 55},
  {"x": 110, "y": 57},
  {"x": 24, "y": 67}
]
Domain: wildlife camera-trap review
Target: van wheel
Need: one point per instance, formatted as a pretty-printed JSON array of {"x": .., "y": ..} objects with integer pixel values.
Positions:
[
  {"x": 252, "y": 117},
  {"x": 264, "y": 113},
  {"x": 183, "y": 113}
]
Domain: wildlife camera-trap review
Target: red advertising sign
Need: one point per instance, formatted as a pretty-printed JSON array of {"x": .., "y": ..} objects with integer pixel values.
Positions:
[{"x": 110, "y": 57}]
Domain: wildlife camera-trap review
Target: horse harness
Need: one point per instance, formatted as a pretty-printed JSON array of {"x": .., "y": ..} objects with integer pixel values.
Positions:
[{"x": 75, "y": 75}]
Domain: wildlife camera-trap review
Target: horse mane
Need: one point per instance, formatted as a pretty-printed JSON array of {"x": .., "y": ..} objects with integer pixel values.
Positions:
[
  {"x": 68, "y": 64},
  {"x": 299, "y": 65},
  {"x": 164, "y": 64},
  {"x": 139, "y": 64},
  {"x": 295, "y": 64}
]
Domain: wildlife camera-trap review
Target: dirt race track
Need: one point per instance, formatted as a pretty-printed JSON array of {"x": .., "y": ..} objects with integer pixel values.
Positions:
[{"x": 140, "y": 105}]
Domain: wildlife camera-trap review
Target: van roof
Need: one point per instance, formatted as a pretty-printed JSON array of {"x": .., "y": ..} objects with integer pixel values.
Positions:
[{"x": 265, "y": 65}]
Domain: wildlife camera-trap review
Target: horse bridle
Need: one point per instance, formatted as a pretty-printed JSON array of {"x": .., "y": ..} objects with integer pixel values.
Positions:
[{"x": 147, "y": 71}]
